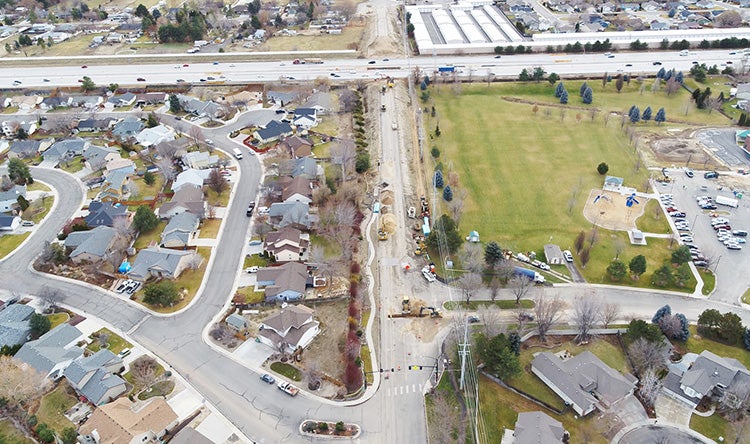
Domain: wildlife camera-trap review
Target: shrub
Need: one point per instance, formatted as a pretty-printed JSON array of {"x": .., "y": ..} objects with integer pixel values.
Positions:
[
  {"x": 323, "y": 426},
  {"x": 602, "y": 168},
  {"x": 340, "y": 427},
  {"x": 352, "y": 376},
  {"x": 355, "y": 268}
]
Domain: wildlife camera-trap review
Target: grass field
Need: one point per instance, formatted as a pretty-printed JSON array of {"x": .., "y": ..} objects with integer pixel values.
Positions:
[
  {"x": 11, "y": 435},
  {"x": 696, "y": 344},
  {"x": 145, "y": 238},
  {"x": 349, "y": 36},
  {"x": 537, "y": 168},
  {"x": 57, "y": 319},
  {"x": 210, "y": 228},
  {"x": 38, "y": 186},
  {"x": 251, "y": 296},
  {"x": 287, "y": 370},
  {"x": 712, "y": 427},
  {"x": 10, "y": 242},
  {"x": 115, "y": 343},
  {"x": 189, "y": 281},
  {"x": 54, "y": 405},
  {"x": 746, "y": 297}
]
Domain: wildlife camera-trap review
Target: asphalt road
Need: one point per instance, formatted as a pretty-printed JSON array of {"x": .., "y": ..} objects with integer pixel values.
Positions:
[{"x": 347, "y": 69}]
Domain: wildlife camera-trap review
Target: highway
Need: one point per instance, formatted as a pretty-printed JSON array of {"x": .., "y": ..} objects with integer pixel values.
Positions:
[{"x": 478, "y": 66}]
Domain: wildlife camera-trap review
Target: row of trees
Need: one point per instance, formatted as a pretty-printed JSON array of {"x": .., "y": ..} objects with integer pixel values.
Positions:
[{"x": 634, "y": 115}]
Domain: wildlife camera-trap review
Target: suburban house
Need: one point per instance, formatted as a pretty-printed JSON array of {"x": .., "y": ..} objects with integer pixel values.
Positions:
[
  {"x": 319, "y": 101},
  {"x": 53, "y": 351},
  {"x": 189, "y": 435},
  {"x": 281, "y": 98},
  {"x": 306, "y": 167},
  {"x": 305, "y": 118},
  {"x": 120, "y": 100},
  {"x": 49, "y": 103},
  {"x": 9, "y": 223},
  {"x": 287, "y": 245},
  {"x": 160, "y": 262},
  {"x": 87, "y": 102},
  {"x": 298, "y": 190},
  {"x": 24, "y": 149},
  {"x": 153, "y": 136},
  {"x": 27, "y": 103},
  {"x": 96, "y": 157},
  {"x": 200, "y": 108},
  {"x": 188, "y": 198},
  {"x": 66, "y": 149},
  {"x": 284, "y": 283},
  {"x": 535, "y": 428},
  {"x": 105, "y": 213},
  {"x": 709, "y": 375},
  {"x": 292, "y": 328},
  {"x": 121, "y": 164},
  {"x": 14, "y": 324},
  {"x": 191, "y": 176},
  {"x": 127, "y": 128},
  {"x": 9, "y": 199},
  {"x": 152, "y": 98},
  {"x": 236, "y": 322},
  {"x": 296, "y": 214},
  {"x": 127, "y": 422},
  {"x": 11, "y": 127},
  {"x": 94, "y": 377},
  {"x": 179, "y": 230},
  {"x": 298, "y": 147},
  {"x": 273, "y": 131},
  {"x": 115, "y": 187},
  {"x": 583, "y": 381},
  {"x": 200, "y": 160},
  {"x": 91, "y": 246}
]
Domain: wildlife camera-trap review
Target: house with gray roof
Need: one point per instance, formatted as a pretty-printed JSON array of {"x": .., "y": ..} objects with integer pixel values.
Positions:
[
  {"x": 190, "y": 177},
  {"x": 284, "y": 283},
  {"x": 320, "y": 101},
  {"x": 9, "y": 199},
  {"x": 9, "y": 223},
  {"x": 92, "y": 125},
  {"x": 14, "y": 324},
  {"x": 200, "y": 108},
  {"x": 96, "y": 157},
  {"x": 583, "y": 381},
  {"x": 295, "y": 214},
  {"x": 66, "y": 149},
  {"x": 200, "y": 160},
  {"x": 86, "y": 102},
  {"x": 105, "y": 213},
  {"x": 53, "y": 351},
  {"x": 273, "y": 131},
  {"x": 179, "y": 230},
  {"x": 156, "y": 135},
  {"x": 188, "y": 198},
  {"x": 93, "y": 376},
  {"x": 120, "y": 100},
  {"x": 91, "y": 246},
  {"x": 115, "y": 186},
  {"x": 292, "y": 328},
  {"x": 128, "y": 128},
  {"x": 305, "y": 167},
  {"x": 281, "y": 98},
  {"x": 55, "y": 102},
  {"x": 535, "y": 428},
  {"x": 24, "y": 149},
  {"x": 160, "y": 262},
  {"x": 305, "y": 118},
  {"x": 709, "y": 375}
]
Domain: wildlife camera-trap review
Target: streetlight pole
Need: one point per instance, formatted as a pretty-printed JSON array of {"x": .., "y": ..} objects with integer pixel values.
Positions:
[{"x": 716, "y": 267}]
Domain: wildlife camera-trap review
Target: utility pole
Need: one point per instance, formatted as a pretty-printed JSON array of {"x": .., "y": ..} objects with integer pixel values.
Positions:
[{"x": 463, "y": 351}]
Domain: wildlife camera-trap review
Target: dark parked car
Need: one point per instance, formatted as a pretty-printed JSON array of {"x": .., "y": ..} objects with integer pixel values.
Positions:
[
  {"x": 268, "y": 378},
  {"x": 710, "y": 175}
]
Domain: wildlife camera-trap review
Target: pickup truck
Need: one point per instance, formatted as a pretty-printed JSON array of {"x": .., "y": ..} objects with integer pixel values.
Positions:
[
  {"x": 288, "y": 388},
  {"x": 429, "y": 275}
]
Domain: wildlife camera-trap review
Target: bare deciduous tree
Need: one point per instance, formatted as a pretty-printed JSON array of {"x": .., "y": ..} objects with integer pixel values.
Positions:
[
  {"x": 20, "y": 385},
  {"x": 449, "y": 420},
  {"x": 610, "y": 311},
  {"x": 670, "y": 325},
  {"x": 672, "y": 86},
  {"x": 649, "y": 387},
  {"x": 469, "y": 283},
  {"x": 165, "y": 166},
  {"x": 472, "y": 256},
  {"x": 336, "y": 219},
  {"x": 519, "y": 286},
  {"x": 167, "y": 150},
  {"x": 143, "y": 370},
  {"x": 344, "y": 154},
  {"x": 456, "y": 206},
  {"x": 648, "y": 355},
  {"x": 494, "y": 287},
  {"x": 195, "y": 261},
  {"x": 196, "y": 135},
  {"x": 51, "y": 296},
  {"x": 217, "y": 182},
  {"x": 548, "y": 311},
  {"x": 490, "y": 315},
  {"x": 103, "y": 338},
  {"x": 586, "y": 313}
]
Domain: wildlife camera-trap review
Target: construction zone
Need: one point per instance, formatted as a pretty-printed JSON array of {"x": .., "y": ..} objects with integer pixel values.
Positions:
[{"x": 417, "y": 309}]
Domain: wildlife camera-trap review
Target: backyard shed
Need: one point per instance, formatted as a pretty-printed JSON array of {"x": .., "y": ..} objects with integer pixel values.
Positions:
[{"x": 554, "y": 255}]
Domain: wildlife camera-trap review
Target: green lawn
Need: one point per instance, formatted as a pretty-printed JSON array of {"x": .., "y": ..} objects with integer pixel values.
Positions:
[
  {"x": 503, "y": 304},
  {"x": 653, "y": 219},
  {"x": 136, "y": 387},
  {"x": 696, "y": 344},
  {"x": 142, "y": 190},
  {"x": 38, "y": 186},
  {"x": 39, "y": 209},
  {"x": 57, "y": 319},
  {"x": 53, "y": 406},
  {"x": 251, "y": 296},
  {"x": 73, "y": 166},
  {"x": 712, "y": 427},
  {"x": 528, "y": 382},
  {"x": 145, "y": 238},
  {"x": 217, "y": 200},
  {"x": 709, "y": 281},
  {"x": 330, "y": 248},
  {"x": 287, "y": 370},
  {"x": 210, "y": 228},
  {"x": 115, "y": 343},
  {"x": 255, "y": 260},
  {"x": 9, "y": 242},
  {"x": 364, "y": 353},
  {"x": 11, "y": 435},
  {"x": 189, "y": 281},
  {"x": 161, "y": 388},
  {"x": 500, "y": 408},
  {"x": 746, "y": 296}
]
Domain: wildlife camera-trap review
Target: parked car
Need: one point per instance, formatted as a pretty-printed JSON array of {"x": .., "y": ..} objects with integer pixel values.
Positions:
[
  {"x": 711, "y": 175},
  {"x": 253, "y": 269},
  {"x": 742, "y": 233},
  {"x": 124, "y": 353},
  {"x": 734, "y": 247},
  {"x": 472, "y": 319},
  {"x": 677, "y": 214},
  {"x": 568, "y": 255},
  {"x": 700, "y": 263},
  {"x": 27, "y": 223},
  {"x": 268, "y": 378},
  {"x": 689, "y": 172},
  {"x": 709, "y": 206},
  {"x": 255, "y": 242}
]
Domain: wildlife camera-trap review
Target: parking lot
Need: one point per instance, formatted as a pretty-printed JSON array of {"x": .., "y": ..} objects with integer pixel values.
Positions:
[{"x": 725, "y": 262}]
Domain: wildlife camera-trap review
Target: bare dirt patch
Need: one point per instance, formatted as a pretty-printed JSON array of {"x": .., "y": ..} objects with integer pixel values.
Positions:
[
  {"x": 608, "y": 210},
  {"x": 674, "y": 150}
]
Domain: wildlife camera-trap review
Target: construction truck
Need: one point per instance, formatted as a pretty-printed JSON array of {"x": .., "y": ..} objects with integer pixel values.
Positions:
[
  {"x": 418, "y": 310},
  {"x": 382, "y": 234}
]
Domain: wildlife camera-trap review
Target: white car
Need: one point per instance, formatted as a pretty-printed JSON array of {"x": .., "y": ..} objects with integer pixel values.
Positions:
[
  {"x": 430, "y": 276},
  {"x": 253, "y": 269},
  {"x": 568, "y": 255},
  {"x": 544, "y": 266}
]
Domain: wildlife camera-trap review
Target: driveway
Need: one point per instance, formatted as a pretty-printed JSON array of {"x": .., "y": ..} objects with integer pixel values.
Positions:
[
  {"x": 672, "y": 411},
  {"x": 629, "y": 410},
  {"x": 253, "y": 354}
]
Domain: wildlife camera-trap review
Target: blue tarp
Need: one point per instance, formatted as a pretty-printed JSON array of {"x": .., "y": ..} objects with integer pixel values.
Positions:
[{"x": 124, "y": 267}]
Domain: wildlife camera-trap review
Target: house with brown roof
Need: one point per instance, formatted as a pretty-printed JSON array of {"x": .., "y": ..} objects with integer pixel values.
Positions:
[
  {"x": 298, "y": 190},
  {"x": 188, "y": 199},
  {"x": 126, "y": 422},
  {"x": 292, "y": 328},
  {"x": 287, "y": 245},
  {"x": 284, "y": 283},
  {"x": 298, "y": 147}
]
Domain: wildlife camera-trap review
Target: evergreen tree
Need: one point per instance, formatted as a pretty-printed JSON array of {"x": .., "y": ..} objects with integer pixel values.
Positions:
[
  {"x": 661, "y": 116},
  {"x": 660, "y": 313},
  {"x": 635, "y": 115},
  {"x": 559, "y": 89},
  {"x": 564, "y": 97},
  {"x": 662, "y": 72},
  {"x": 493, "y": 254},
  {"x": 646, "y": 114},
  {"x": 588, "y": 95},
  {"x": 583, "y": 88},
  {"x": 680, "y": 77},
  {"x": 448, "y": 193},
  {"x": 637, "y": 265},
  {"x": 438, "y": 179}
]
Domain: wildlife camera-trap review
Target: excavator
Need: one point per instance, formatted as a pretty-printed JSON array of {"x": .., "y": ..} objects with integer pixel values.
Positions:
[{"x": 407, "y": 311}]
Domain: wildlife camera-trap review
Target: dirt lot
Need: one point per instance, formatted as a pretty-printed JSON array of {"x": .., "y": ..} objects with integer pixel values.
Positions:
[
  {"x": 675, "y": 148},
  {"x": 608, "y": 210}
]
